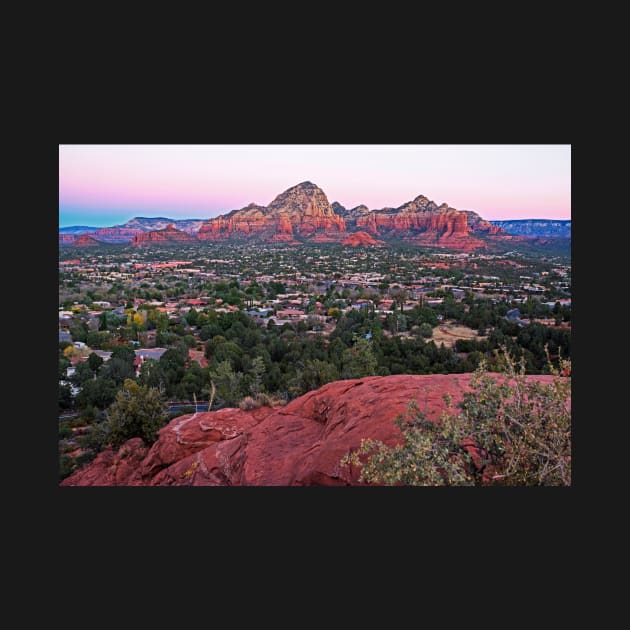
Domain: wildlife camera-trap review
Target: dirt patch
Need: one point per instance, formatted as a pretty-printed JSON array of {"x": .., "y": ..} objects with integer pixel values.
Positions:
[{"x": 448, "y": 334}]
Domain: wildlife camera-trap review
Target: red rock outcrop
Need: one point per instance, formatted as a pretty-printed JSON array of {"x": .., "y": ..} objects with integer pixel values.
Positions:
[
  {"x": 66, "y": 239},
  {"x": 85, "y": 240},
  {"x": 301, "y": 211},
  {"x": 296, "y": 445},
  {"x": 361, "y": 239},
  {"x": 115, "y": 234},
  {"x": 168, "y": 235},
  {"x": 423, "y": 222}
]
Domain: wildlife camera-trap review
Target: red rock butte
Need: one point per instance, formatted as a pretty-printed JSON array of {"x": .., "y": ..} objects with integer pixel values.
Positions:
[
  {"x": 362, "y": 239},
  {"x": 299, "y": 444},
  {"x": 85, "y": 240},
  {"x": 168, "y": 235},
  {"x": 303, "y": 214}
]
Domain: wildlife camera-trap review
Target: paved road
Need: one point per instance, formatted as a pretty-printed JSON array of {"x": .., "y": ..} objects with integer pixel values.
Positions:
[{"x": 202, "y": 405}]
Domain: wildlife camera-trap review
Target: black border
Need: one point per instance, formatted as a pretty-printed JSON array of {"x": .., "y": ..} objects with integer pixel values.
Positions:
[{"x": 287, "y": 514}]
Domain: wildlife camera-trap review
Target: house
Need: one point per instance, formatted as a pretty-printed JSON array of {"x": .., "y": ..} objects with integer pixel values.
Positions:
[
  {"x": 290, "y": 313},
  {"x": 150, "y": 353}
]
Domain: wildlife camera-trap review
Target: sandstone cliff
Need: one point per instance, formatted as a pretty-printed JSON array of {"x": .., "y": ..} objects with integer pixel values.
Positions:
[
  {"x": 302, "y": 211},
  {"x": 168, "y": 235},
  {"x": 296, "y": 445}
]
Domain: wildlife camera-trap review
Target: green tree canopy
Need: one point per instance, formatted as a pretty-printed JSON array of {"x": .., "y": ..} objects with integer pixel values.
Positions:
[
  {"x": 137, "y": 411},
  {"x": 359, "y": 361}
]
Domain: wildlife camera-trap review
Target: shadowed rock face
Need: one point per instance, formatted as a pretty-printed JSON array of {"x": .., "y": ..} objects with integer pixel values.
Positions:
[
  {"x": 296, "y": 445},
  {"x": 168, "y": 235}
]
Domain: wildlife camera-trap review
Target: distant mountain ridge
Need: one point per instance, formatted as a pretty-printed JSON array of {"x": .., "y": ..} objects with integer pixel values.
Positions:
[
  {"x": 126, "y": 232},
  {"x": 77, "y": 229},
  {"x": 303, "y": 214},
  {"x": 536, "y": 228}
]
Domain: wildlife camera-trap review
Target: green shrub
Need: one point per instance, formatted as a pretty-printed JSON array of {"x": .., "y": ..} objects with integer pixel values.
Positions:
[
  {"x": 138, "y": 411},
  {"x": 66, "y": 466},
  {"x": 509, "y": 431}
]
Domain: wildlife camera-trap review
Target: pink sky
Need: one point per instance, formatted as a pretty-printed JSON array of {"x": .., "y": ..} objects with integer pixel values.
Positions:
[{"x": 108, "y": 184}]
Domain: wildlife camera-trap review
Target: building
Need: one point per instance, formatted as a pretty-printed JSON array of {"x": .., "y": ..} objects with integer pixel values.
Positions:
[{"x": 290, "y": 313}]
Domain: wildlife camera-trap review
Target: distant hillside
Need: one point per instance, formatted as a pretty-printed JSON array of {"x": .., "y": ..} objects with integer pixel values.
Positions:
[
  {"x": 146, "y": 224},
  {"x": 537, "y": 228},
  {"x": 126, "y": 232},
  {"x": 77, "y": 229}
]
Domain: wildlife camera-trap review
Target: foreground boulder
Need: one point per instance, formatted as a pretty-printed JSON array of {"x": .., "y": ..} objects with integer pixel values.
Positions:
[{"x": 299, "y": 444}]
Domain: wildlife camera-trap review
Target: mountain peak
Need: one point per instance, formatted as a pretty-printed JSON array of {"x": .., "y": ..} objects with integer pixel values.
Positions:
[{"x": 305, "y": 197}]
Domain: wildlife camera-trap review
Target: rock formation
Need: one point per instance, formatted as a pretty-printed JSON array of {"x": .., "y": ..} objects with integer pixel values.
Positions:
[
  {"x": 66, "y": 239},
  {"x": 351, "y": 215},
  {"x": 168, "y": 235},
  {"x": 361, "y": 239},
  {"x": 302, "y": 211},
  {"x": 85, "y": 240},
  {"x": 423, "y": 222},
  {"x": 296, "y": 445},
  {"x": 115, "y": 234}
]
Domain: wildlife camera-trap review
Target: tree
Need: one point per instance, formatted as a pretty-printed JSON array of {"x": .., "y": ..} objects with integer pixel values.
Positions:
[
  {"x": 118, "y": 370},
  {"x": 83, "y": 373},
  {"x": 138, "y": 411},
  {"x": 95, "y": 362},
  {"x": 257, "y": 371},
  {"x": 98, "y": 392},
  {"x": 359, "y": 361},
  {"x": 79, "y": 331},
  {"x": 426, "y": 330},
  {"x": 192, "y": 317},
  {"x": 125, "y": 353},
  {"x": 314, "y": 375},
  {"x": 227, "y": 383},
  {"x": 63, "y": 367},
  {"x": 152, "y": 374},
  {"x": 65, "y": 397},
  {"x": 510, "y": 431}
]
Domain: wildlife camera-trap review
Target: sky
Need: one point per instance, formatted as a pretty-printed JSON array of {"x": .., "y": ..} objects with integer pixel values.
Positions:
[{"x": 104, "y": 185}]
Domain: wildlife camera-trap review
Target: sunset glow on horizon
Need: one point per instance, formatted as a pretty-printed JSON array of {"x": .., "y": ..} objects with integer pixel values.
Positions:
[{"x": 103, "y": 185}]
